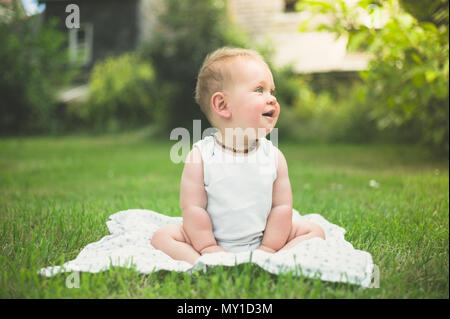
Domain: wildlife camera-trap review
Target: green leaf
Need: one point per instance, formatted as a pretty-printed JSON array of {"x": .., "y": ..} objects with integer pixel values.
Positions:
[
  {"x": 430, "y": 76},
  {"x": 304, "y": 26},
  {"x": 323, "y": 6},
  {"x": 356, "y": 40},
  {"x": 418, "y": 80},
  {"x": 429, "y": 27},
  {"x": 416, "y": 58}
]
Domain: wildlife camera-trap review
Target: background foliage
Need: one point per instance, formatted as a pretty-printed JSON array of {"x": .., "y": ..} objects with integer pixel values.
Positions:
[
  {"x": 407, "y": 79},
  {"x": 123, "y": 93},
  {"x": 401, "y": 97},
  {"x": 33, "y": 64}
]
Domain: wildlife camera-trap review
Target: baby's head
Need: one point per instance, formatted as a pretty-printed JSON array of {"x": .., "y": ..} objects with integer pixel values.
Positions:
[{"x": 235, "y": 89}]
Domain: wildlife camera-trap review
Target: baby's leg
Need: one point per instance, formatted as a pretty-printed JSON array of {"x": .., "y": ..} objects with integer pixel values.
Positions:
[
  {"x": 172, "y": 240},
  {"x": 302, "y": 231}
]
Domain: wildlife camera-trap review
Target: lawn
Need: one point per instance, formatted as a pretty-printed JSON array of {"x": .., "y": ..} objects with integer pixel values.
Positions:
[{"x": 57, "y": 194}]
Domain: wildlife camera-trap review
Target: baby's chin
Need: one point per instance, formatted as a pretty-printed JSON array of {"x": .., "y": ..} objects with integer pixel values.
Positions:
[
  {"x": 263, "y": 131},
  {"x": 268, "y": 130}
]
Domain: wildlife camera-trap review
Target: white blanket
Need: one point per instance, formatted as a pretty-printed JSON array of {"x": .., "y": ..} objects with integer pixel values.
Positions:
[{"x": 333, "y": 259}]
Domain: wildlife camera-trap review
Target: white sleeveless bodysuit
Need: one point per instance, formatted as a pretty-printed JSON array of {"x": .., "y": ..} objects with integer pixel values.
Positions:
[{"x": 239, "y": 192}]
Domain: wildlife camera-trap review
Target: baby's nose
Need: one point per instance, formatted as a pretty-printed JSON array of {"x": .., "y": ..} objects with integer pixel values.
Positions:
[{"x": 272, "y": 99}]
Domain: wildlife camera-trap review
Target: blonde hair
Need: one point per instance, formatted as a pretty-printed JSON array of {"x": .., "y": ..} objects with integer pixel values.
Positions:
[{"x": 212, "y": 75}]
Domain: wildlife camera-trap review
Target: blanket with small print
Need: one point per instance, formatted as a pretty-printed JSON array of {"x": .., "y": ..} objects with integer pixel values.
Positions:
[{"x": 128, "y": 245}]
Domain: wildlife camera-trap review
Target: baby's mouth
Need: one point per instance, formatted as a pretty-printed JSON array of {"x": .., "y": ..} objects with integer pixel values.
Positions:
[{"x": 269, "y": 114}]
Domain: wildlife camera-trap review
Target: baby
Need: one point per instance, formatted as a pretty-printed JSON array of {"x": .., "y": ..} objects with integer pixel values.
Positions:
[{"x": 235, "y": 193}]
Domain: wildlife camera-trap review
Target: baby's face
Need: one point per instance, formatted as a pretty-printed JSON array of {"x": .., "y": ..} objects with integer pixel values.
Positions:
[{"x": 250, "y": 96}]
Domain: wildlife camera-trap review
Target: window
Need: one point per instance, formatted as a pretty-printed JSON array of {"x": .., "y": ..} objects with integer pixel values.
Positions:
[
  {"x": 80, "y": 44},
  {"x": 289, "y": 5}
]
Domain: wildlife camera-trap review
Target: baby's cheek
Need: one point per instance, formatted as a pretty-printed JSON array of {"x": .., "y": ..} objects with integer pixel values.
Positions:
[{"x": 259, "y": 109}]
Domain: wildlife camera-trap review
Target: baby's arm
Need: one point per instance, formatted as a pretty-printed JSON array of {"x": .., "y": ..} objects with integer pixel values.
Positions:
[
  {"x": 196, "y": 221},
  {"x": 279, "y": 222}
]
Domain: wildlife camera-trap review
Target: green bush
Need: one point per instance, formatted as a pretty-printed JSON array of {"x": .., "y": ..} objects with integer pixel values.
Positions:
[
  {"x": 33, "y": 64},
  {"x": 409, "y": 84},
  {"x": 325, "y": 116},
  {"x": 123, "y": 93}
]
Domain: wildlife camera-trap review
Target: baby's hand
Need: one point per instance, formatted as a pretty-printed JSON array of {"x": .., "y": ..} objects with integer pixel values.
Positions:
[
  {"x": 212, "y": 249},
  {"x": 267, "y": 249}
]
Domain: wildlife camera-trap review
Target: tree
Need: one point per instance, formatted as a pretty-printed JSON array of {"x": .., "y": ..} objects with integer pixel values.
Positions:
[{"x": 407, "y": 78}]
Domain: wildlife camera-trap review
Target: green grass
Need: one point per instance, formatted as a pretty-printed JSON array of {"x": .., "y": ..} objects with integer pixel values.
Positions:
[{"x": 56, "y": 195}]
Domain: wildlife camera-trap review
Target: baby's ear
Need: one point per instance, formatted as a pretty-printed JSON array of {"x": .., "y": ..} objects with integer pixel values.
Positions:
[{"x": 219, "y": 105}]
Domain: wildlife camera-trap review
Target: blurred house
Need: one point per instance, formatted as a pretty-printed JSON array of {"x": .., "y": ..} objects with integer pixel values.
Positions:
[
  {"x": 107, "y": 27},
  {"x": 309, "y": 52},
  {"x": 111, "y": 27}
]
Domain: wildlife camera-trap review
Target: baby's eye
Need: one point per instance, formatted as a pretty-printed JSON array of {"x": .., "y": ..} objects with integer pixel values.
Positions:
[
  {"x": 260, "y": 89},
  {"x": 272, "y": 92}
]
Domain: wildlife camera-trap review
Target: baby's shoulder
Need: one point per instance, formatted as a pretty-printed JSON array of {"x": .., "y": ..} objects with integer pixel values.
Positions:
[
  {"x": 205, "y": 147},
  {"x": 204, "y": 143},
  {"x": 194, "y": 156}
]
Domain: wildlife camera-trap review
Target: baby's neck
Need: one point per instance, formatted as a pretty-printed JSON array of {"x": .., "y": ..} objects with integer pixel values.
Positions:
[{"x": 236, "y": 142}]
